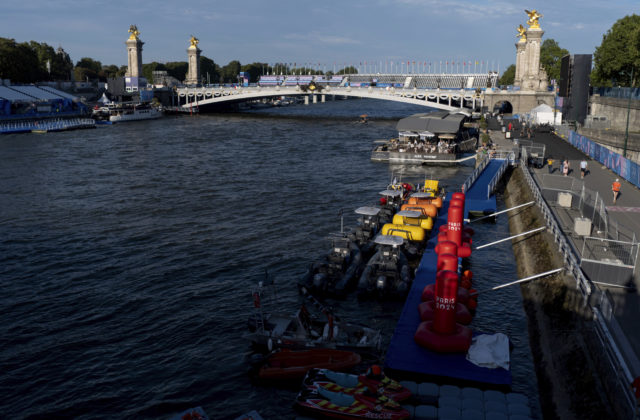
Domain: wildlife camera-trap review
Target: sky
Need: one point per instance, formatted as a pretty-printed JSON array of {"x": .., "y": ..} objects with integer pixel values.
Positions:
[{"x": 327, "y": 33}]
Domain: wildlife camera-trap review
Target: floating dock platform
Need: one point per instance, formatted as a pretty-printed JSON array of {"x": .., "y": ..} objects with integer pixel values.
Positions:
[{"x": 405, "y": 358}]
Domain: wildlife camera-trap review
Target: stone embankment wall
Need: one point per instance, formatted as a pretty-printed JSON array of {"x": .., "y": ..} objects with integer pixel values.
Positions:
[
  {"x": 614, "y": 141},
  {"x": 615, "y": 109},
  {"x": 563, "y": 343}
]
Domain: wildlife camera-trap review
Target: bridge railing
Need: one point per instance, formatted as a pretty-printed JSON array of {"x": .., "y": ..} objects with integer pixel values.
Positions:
[{"x": 451, "y": 100}]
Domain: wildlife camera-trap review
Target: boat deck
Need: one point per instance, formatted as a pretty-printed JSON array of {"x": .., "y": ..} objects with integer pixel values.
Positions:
[{"x": 407, "y": 359}]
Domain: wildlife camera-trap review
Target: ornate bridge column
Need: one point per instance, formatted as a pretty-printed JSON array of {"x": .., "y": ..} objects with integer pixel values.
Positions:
[
  {"x": 520, "y": 61},
  {"x": 193, "y": 53},
  {"x": 134, "y": 53},
  {"x": 533, "y": 77}
]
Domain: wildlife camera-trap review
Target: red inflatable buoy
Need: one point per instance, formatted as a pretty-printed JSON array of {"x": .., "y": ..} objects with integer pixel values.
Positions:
[
  {"x": 446, "y": 247},
  {"x": 427, "y": 312},
  {"x": 429, "y": 293},
  {"x": 454, "y": 224},
  {"x": 445, "y": 302},
  {"x": 447, "y": 262},
  {"x": 458, "y": 341},
  {"x": 458, "y": 196}
]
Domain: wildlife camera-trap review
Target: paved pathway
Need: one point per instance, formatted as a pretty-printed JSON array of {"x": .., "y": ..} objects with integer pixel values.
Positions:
[{"x": 626, "y": 303}]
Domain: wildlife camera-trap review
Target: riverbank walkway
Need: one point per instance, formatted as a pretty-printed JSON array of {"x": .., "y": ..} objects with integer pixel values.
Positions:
[{"x": 603, "y": 234}]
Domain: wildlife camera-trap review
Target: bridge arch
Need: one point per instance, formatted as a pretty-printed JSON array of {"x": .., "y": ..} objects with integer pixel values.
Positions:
[{"x": 449, "y": 100}]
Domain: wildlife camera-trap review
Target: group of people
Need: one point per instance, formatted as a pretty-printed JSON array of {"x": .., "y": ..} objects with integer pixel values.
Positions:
[
  {"x": 564, "y": 168},
  {"x": 566, "y": 165},
  {"x": 421, "y": 146}
]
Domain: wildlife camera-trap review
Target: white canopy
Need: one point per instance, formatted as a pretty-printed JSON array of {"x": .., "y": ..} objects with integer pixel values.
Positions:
[
  {"x": 544, "y": 114},
  {"x": 368, "y": 211},
  {"x": 389, "y": 240}
]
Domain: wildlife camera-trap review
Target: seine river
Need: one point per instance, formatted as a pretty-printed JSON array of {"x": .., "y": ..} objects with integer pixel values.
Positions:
[{"x": 128, "y": 254}]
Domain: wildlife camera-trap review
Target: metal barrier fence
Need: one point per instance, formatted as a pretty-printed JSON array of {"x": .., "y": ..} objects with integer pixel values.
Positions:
[
  {"x": 497, "y": 177},
  {"x": 476, "y": 173},
  {"x": 602, "y": 312},
  {"x": 609, "y": 251}
]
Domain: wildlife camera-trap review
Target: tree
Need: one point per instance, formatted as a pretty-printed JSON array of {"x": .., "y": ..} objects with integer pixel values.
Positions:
[
  {"x": 148, "y": 69},
  {"x": 210, "y": 68},
  {"x": 177, "y": 69},
  {"x": 61, "y": 65},
  {"x": 18, "y": 62},
  {"x": 230, "y": 71},
  {"x": 508, "y": 76},
  {"x": 348, "y": 70},
  {"x": 550, "y": 57},
  {"x": 110, "y": 72},
  {"x": 87, "y": 69},
  {"x": 618, "y": 54}
]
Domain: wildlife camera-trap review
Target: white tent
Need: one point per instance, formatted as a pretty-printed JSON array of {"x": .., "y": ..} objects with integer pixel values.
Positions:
[
  {"x": 104, "y": 100},
  {"x": 544, "y": 114}
]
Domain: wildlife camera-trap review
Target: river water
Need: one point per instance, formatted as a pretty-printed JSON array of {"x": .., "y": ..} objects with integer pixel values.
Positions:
[{"x": 128, "y": 254}]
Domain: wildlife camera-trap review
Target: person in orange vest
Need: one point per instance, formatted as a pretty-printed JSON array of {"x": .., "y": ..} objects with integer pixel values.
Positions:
[{"x": 615, "y": 187}]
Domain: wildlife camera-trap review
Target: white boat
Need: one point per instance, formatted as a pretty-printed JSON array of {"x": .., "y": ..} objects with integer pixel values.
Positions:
[
  {"x": 437, "y": 137},
  {"x": 133, "y": 112}
]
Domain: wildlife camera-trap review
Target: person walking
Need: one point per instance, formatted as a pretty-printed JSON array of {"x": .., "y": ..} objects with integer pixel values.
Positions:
[
  {"x": 565, "y": 167},
  {"x": 583, "y": 168},
  {"x": 550, "y": 164},
  {"x": 615, "y": 187}
]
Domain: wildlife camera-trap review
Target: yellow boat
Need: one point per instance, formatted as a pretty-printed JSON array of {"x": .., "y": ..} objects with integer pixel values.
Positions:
[
  {"x": 410, "y": 233},
  {"x": 413, "y": 218}
]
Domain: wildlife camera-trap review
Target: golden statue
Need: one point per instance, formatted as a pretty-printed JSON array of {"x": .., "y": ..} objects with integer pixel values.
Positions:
[
  {"x": 533, "y": 18},
  {"x": 522, "y": 33},
  {"x": 194, "y": 41},
  {"x": 133, "y": 30}
]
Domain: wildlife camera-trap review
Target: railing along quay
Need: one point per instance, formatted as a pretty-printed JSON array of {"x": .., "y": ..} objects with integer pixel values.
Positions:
[{"x": 601, "y": 307}]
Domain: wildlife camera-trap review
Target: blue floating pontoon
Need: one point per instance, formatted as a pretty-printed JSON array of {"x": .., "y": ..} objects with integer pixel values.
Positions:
[{"x": 406, "y": 358}]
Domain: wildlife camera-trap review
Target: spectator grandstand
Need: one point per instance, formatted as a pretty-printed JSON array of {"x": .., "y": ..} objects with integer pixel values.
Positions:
[{"x": 29, "y": 101}]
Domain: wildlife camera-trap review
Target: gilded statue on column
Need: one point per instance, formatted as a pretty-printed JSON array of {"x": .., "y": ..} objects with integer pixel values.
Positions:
[
  {"x": 533, "y": 18},
  {"x": 194, "y": 41},
  {"x": 133, "y": 30},
  {"x": 522, "y": 33}
]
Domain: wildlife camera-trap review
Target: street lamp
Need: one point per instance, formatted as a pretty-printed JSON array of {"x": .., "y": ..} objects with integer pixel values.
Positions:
[{"x": 626, "y": 131}]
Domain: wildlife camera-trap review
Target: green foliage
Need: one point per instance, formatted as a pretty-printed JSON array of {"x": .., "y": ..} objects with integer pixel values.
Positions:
[
  {"x": 148, "y": 69},
  {"x": 18, "y": 62},
  {"x": 508, "y": 76},
  {"x": 348, "y": 70},
  {"x": 110, "y": 72},
  {"x": 618, "y": 54},
  {"x": 87, "y": 69},
  {"x": 177, "y": 69},
  {"x": 230, "y": 71},
  {"x": 210, "y": 68},
  {"x": 550, "y": 57}
]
